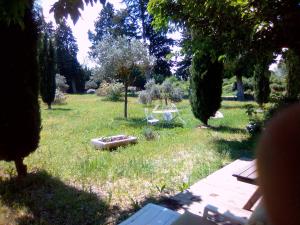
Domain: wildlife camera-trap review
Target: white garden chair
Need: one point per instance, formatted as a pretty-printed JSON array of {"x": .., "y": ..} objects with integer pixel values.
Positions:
[{"x": 150, "y": 118}]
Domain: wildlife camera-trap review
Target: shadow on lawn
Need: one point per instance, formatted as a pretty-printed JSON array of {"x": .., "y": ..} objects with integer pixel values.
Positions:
[
  {"x": 237, "y": 149},
  {"x": 50, "y": 201},
  {"x": 230, "y": 130},
  {"x": 237, "y": 106},
  {"x": 138, "y": 122},
  {"x": 61, "y": 109}
]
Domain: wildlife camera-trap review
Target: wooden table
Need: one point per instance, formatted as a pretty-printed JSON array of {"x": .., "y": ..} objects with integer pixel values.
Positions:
[{"x": 248, "y": 174}]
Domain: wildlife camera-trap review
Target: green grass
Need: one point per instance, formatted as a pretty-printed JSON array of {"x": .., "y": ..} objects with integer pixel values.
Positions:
[{"x": 72, "y": 183}]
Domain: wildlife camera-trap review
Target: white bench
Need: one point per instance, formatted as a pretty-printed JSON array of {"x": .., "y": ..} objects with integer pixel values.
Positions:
[{"x": 152, "y": 215}]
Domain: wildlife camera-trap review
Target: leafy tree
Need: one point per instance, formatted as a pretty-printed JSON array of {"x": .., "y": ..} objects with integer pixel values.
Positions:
[
  {"x": 18, "y": 41},
  {"x": 47, "y": 71},
  {"x": 159, "y": 43},
  {"x": 67, "y": 63},
  {"x": 214, "y": 27},
  {"x": 183, "y": 66},
  {"x": 114, "y": 23},
  {"x": 61, "y": 83},
  {"x": 20, "y": 121},
  {"x": 206, "y": 86},
  {"x": 116, "y": 59},
  {"x": 103, "y": 24}
]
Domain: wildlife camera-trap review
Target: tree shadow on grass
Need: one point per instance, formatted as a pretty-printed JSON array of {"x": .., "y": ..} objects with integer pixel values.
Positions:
[
  {"x": 50, "y": 201},
  {"x": 138, "y": 122},
  {"x": 237, "y": 106},
  {"x": 229, "y": 130},
  {"x": 237, "y": 149},
  {"x": 61, "y": 109}
]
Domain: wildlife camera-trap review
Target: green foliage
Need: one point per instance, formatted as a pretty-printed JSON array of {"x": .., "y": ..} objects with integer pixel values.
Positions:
[
  {"x": 91, "y": 84},
  {"x": 113, "y": 23},
  {"x": 278, "y": 88},
  {"x": 145, "y": 98},
  {"x": 118, "y": 58},
  {"x": 206, "y": 87},
  {"x": 159, "y": 43},
  {"x": 60, "y": 97},
  {"x": 293, "y": 77},
  {"x": 262, "y": 83},
  {"x": 114, "y": 91},
  {"x": 136, "y": 169},
  {"x": 67, "y": 63},
  {"x": 103, "y": 89},
  {"x": 61, "y": 83},
  {"x": 256, "y": 122},
  {"x": 65, "y": 8},
  {"x": 149, "y": 134},
  {"x": 47, "y": 71},
  {"x": 20, "y": 122}
]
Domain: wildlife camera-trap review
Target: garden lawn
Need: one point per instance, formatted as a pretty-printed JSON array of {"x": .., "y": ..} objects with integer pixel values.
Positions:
[{"x": 72, "y": 183}]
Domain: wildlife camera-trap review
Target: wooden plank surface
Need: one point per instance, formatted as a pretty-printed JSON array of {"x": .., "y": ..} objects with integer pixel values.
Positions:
[
  {"x": 248, "y": 173},
  {"x": 219, "y": 188}
]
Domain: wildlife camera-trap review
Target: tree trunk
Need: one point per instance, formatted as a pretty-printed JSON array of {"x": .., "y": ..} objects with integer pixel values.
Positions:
[
  {"x": 166, "y": 101},
  {"x": 74, "y": 90},
  {"x": 240, "y": 89},
  {"x": 49, "y": 106},
  {"x": 126, "y": 100},
  {"x": 21, "y": 168}
]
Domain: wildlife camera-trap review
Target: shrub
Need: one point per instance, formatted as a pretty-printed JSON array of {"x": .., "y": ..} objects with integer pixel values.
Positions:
[
  {"x": 145, "y": 98},
  {"x": 150, "y": 83},
  {"x": 91, "y": 84},
  {"x": 132, "y": 91},
  {"x": 256, "y": 123},
  {"x": 115, "y": 91},
  {"x": 60, "y": 97},
  {"x": 103, "y": 89},
  {"x": 155, "y": 92},
  {"x": 176, "y": 95},
  {"x": 61, "y": 83},
  {"x": 149, "y": 134}
]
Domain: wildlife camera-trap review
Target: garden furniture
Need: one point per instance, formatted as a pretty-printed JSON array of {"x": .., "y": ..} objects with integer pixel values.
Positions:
[
  {"x": 216, "y": 199},
  {"x": 168, "y": 112},
  {"x": 248, "y": 174},
  {"x": 150, "y": 118}
]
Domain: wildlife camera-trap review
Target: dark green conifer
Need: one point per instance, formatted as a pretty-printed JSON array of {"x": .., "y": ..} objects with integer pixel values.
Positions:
[
  {"x": 206, "y": 86},
  {"x": 47, "y": 71},
  {"x": 20, "y": 121}
]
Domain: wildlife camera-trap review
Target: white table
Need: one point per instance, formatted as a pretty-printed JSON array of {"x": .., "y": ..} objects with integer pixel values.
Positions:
[{"x": 169, "y": 111}]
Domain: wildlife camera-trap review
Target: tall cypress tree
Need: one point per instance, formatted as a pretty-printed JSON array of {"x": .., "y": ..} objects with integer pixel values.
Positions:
[
  {"x": 206, "y": 86},
  {"x": 262, "y": 83},
  {"x": 293, "y": 77},
  {"x": 47, "y": 71},
  {"x": 20, "y": 121},
  {"x": 67, "y": 63}
]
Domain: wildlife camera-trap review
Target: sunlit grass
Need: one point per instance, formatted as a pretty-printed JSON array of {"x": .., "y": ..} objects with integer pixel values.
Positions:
[{"x": 130, "y": 175}]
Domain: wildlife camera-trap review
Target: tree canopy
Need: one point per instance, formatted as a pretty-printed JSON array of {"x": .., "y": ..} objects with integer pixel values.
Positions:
[{"x": 116, "y": 58}]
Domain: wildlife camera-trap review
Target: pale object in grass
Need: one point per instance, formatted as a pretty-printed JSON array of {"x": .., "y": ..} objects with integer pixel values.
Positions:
[
  {"x": 113, "y": 141},
  {"x": 218, "y": 115}
]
